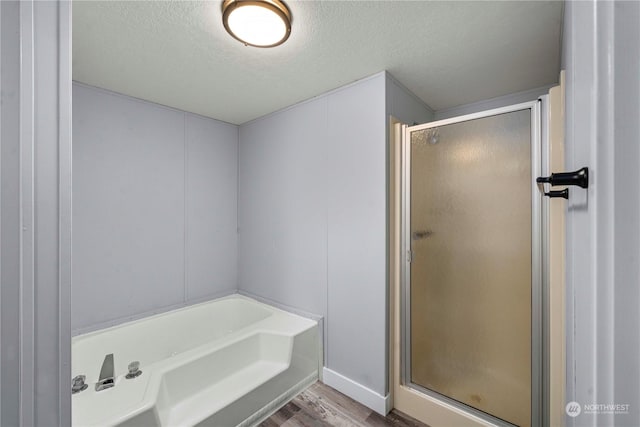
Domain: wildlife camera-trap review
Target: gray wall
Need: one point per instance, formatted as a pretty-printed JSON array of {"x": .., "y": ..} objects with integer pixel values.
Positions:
[
  {"x": 601, "y": 53},
  {"x": 312, "y": 204},
  {"x": 154, "y": 207}
]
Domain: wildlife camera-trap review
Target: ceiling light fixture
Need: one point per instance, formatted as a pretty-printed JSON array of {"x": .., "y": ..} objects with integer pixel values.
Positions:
[{"x": 259, "y": 23}]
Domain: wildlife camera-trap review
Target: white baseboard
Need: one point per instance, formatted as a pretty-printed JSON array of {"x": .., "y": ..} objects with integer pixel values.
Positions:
[{"x": 358, "y": 392}]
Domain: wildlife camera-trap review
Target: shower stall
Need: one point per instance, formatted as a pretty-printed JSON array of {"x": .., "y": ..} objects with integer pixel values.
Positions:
[{"x": 472, "y": 242}]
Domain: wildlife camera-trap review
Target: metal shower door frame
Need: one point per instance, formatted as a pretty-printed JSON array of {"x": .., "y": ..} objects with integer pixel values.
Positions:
[{"x": 539, "y": 238}]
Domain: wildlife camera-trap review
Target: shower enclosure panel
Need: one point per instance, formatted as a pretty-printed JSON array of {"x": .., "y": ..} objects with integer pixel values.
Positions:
[{"x": 471, "y": 238}]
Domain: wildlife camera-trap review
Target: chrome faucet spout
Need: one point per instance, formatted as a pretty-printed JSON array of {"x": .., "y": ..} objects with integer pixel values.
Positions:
[{"x": 107, "y": 377}]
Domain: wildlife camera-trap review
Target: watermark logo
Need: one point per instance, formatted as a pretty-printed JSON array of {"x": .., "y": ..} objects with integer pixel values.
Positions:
[
  {"x": 606, "y": 408},
  {"x": 573, "y": 409}
]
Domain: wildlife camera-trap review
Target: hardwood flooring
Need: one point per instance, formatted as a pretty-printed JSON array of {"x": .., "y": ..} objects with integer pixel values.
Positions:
[{"x": 322, "y": 406}]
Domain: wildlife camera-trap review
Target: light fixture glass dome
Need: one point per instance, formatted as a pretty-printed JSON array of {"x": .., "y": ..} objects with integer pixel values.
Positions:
[{"x": 260, "y": 23}]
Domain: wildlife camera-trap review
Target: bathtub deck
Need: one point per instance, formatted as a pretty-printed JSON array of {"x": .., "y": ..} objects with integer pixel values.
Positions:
[
  {"x": 187, "y": 412},
  {"x": 322, "y": 406}
]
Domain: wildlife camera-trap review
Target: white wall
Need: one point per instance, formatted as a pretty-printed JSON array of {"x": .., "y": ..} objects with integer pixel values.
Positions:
[
  {"x": 313, "y": 212},
  {"x": 282, "y": 207},
  {"x": 155, "y": 208},
  {"x": 211, "y": 207},
  {"x": 601, "y": 53},
  {"x": 356, "y": 212},
  {"x": 308, "y": 196}
]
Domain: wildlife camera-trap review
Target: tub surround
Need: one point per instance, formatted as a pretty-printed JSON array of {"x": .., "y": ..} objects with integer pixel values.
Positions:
[{"x": 226, "y": 362}]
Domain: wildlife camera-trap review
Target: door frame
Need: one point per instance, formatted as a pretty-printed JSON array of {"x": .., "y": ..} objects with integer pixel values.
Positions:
[
  {"x": 432, "y": 408},
  {"x": 36, "y": 212}
]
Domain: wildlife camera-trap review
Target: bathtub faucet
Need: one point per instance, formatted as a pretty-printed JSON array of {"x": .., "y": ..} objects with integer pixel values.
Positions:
[{"x": 107, "y": 378}]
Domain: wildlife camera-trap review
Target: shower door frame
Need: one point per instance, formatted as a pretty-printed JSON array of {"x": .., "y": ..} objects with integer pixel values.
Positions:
[{"x": 539, "y": 279}]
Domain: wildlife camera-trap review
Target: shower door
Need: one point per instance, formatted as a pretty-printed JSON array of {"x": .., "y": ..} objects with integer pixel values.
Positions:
[{"x": 471, "y": 237}]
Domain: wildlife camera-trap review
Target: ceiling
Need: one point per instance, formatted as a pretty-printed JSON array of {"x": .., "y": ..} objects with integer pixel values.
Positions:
[{"x": 448, "y": 53}]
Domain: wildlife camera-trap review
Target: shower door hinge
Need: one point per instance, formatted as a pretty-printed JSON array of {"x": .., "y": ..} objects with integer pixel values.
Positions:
[{"x": 409, "y": 256}]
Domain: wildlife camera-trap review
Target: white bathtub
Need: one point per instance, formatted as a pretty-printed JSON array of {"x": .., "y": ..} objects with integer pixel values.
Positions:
[{"x": 223, "y": 363}]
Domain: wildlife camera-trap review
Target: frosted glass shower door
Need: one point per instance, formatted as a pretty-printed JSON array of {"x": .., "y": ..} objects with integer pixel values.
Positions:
[{"x": 470, "y": 242}]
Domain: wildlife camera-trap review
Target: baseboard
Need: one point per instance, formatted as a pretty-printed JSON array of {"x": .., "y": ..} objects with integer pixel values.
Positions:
[{"x": 358, "y": 392}]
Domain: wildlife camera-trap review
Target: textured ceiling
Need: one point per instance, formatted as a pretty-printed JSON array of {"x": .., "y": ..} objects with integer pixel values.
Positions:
[{"x": 448, "y": 53}]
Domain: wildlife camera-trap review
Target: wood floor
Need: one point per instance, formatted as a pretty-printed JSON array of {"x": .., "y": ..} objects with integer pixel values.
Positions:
[{"x": 321, "y": 406}]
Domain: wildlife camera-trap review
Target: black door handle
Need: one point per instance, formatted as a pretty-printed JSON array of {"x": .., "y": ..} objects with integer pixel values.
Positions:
[
  {"x": 558, "y": 193},
  {"x": 579, "y": 178}
]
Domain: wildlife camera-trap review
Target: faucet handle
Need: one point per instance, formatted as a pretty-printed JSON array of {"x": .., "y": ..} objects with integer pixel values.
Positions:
[
  {"x": 134, "y": 370},
  {"x": 107, "y": 377},
  {"x": 78, "y": 384}
]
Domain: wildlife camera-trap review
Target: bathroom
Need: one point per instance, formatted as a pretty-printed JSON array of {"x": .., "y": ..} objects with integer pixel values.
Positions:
[
  {"x": 226, "y": 233},
  {"x": 270, "y": 207}
]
